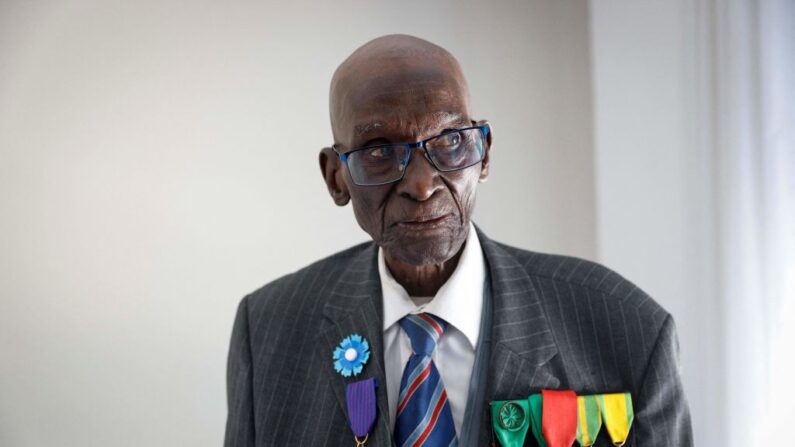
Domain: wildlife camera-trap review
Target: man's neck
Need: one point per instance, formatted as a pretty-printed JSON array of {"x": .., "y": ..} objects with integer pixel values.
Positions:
[{"x": 424, "y": 279}]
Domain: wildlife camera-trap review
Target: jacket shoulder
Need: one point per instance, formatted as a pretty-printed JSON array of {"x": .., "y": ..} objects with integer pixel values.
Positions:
[
  {"x": 586, "y": 279},
  {"x": 597, "y": 318}
]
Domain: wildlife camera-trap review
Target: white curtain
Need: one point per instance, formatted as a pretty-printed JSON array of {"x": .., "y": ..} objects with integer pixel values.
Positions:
[{"x": 755, "y": 152}]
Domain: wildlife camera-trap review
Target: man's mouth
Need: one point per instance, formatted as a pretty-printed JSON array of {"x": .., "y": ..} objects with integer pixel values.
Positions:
[{"x": 424, "y": 222}]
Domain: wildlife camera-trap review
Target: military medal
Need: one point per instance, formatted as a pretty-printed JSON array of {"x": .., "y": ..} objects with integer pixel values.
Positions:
[
  {"x": 511, "y": 419},
  {"x": 536, "y": 410},
  {"x": 589, "y": 420},
  {"x": 559, "y": 417},
  {"x": 618, "y": 415},
  {"x": 360, "y": 400}
]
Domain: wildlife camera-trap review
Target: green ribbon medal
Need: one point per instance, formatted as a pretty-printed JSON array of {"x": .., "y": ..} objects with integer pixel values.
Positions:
[
  {"x": 618, "y": 414},
  {"x": 536, "y": 410},
  {"x": 589, "y": 420},
  {"x": 511, "y": 419}
]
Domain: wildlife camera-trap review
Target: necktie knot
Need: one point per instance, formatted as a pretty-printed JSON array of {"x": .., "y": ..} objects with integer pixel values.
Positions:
[{"x": 424, "y": 331}]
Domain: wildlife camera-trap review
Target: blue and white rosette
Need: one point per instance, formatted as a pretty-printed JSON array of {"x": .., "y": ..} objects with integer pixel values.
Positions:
[{"x": 351, "y": 355}]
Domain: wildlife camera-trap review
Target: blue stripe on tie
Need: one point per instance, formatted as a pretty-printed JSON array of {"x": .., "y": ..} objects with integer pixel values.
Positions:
[
  {"x": 416, "y": 407},
  {"x": 424, "y": 325},
  {"x": 437, "y": 394},
  {"x": 416, "y": 372},
  {"x": 434, "y": 321}
]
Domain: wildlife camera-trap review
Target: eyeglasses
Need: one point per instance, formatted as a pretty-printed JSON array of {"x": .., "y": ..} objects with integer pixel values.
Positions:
[{"x": 386, "y": 163}]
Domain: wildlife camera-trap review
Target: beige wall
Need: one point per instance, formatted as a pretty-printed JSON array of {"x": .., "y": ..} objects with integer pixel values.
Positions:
[{"x": 158, "y": 161}]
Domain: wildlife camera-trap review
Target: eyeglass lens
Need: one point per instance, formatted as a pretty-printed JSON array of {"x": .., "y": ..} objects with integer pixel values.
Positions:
[{"x": 382, "y": 164}]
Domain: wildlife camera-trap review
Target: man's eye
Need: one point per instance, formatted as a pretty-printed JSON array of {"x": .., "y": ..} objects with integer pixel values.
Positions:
[
  {"x": 448, "y": 141},
  {"x": 381, "y": 152}
]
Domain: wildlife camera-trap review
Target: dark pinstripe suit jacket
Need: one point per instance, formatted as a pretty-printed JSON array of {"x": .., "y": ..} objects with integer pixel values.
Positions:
[{"x": 558, "y": 322}]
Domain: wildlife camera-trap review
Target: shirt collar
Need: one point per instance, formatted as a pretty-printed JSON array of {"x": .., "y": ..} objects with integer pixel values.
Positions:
[{"x": 459, "y": 301}]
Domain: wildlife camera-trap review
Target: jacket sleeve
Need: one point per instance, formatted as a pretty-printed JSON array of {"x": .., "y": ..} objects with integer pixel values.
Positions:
[
  {"x": 662, "y": 417},
  {"x": 240, "y": 416}
]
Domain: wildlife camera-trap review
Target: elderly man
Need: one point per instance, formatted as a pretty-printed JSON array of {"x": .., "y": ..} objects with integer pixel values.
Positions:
[{"x": 416, "y": 337}]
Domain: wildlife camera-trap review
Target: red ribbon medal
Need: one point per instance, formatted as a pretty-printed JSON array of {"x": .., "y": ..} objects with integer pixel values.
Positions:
[{"x": 559, "y": 419}]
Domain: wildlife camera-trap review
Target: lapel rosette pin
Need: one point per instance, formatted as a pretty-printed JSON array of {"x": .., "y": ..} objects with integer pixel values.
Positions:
[{"x": 351, "y": 355}]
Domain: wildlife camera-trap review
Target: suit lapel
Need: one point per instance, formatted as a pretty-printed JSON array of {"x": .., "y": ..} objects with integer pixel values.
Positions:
[
  {"x": 522, "y": 341},
  {"x": 355, "y": 307}
]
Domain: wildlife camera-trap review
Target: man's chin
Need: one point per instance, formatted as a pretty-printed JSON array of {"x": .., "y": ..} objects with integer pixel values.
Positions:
[{"x": 423, "y": 251}]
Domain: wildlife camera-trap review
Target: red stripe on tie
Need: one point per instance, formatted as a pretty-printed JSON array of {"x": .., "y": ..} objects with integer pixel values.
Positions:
[
  {"x": 434, "y": 418},
  {"x": 432, "y": 322},
  {"x": 417, "y": 382}
]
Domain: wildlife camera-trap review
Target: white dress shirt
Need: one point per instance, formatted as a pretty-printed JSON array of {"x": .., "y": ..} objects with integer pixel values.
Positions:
[{"x": 459, "y": 302}]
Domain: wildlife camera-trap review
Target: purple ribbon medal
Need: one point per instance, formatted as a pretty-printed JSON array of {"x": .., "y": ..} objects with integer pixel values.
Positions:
[{"x": 360, "y": 399}]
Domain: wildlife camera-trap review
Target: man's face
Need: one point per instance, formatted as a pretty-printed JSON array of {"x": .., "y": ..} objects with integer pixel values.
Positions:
[{"x": 424, "y": 218}]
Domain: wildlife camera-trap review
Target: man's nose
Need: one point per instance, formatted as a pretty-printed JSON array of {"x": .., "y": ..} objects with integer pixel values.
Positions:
[{"x": 420, "y": 181}]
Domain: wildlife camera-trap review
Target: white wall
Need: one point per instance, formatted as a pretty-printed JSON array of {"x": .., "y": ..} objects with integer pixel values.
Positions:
[
  {"x": 655, "y": 178},
  {"x": 158, "y": 161}
]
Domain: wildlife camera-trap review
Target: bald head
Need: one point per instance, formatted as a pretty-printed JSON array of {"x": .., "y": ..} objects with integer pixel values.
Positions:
[{"x": 400, "y": 77}]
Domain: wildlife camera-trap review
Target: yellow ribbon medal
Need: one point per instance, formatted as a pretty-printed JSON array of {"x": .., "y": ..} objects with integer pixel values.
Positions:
[
  {"x": 589, "y": 420},
  {"x": 618, "y": 415}
]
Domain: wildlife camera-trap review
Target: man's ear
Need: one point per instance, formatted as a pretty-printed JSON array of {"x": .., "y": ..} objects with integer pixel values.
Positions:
[
  {"x": 484, "y": 164},
  {"x": 332, "y": 170}
]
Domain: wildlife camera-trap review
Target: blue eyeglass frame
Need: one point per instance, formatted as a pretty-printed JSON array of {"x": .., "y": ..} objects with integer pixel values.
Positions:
[{"x": 484, "y": 130}]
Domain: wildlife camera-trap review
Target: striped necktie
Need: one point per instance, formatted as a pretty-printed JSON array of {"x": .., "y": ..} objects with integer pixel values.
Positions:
[{"x": 423, "y": 413}]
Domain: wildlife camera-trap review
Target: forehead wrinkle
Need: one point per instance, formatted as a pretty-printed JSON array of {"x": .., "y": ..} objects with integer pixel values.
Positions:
[
  {"x": 449, "y": 117},
  {"x": 405, "y": 92},
  {"x": 365, "y": 128},
  {"x": 437, "y": 119}
]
